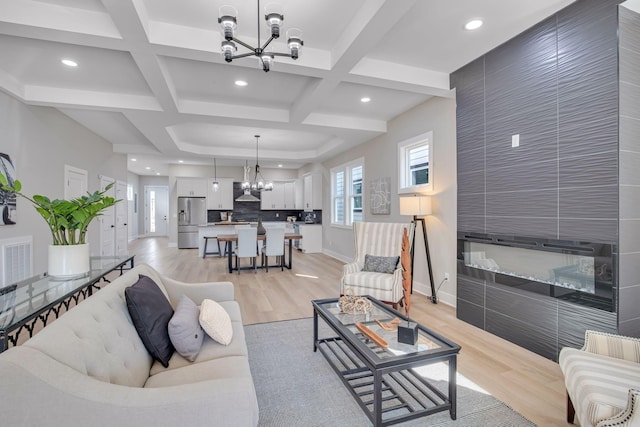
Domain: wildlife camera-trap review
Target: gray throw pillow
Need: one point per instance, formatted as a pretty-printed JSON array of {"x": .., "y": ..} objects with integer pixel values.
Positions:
[
  {"x": 150, "y": 312},
  {"x": 380, "y": 264},
  {"x": 185, "y": 331}
]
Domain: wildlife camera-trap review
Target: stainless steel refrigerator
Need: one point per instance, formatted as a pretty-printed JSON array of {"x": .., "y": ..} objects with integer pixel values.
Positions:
[{"x": 192, "y": 211}]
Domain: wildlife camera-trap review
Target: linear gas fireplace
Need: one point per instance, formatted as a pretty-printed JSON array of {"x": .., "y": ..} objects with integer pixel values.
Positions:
[{"x": 579, "y": 272}]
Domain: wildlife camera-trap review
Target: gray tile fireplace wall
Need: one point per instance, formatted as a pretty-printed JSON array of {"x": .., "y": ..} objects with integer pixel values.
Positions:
[
  {"x": 629, "y": 259},
  {"x": 557, "y": 86}
]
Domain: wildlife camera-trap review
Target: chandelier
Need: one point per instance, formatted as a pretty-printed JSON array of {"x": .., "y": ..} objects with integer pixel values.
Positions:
[
  {"x": 274, "y": 17},
  {"x": 258, "y": 183}
]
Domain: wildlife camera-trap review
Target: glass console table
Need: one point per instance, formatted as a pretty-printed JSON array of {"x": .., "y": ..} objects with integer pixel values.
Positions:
[{"x": 24, "y": 303}]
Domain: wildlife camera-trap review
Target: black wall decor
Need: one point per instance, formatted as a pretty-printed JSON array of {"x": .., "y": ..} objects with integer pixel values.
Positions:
[{"x": 557, "y": 87}]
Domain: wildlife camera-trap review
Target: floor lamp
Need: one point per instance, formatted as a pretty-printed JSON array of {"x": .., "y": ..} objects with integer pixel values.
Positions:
[{"x": 418, "y": 207}]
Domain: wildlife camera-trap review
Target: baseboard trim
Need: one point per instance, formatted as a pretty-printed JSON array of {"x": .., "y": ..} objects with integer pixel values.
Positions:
[
  {"x": 443, "y": 297},
  {"x": 337, "y": 256}
]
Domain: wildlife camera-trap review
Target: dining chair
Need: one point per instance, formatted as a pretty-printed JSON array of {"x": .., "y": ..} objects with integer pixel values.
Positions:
[
  {"x": 247, "y": 246},
  {"x": 234, "y": 245},
  {"x": 274, "y": 246}
]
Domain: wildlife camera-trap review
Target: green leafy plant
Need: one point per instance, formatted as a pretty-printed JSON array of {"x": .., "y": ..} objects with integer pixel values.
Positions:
[{"x": 68, "y": 220}]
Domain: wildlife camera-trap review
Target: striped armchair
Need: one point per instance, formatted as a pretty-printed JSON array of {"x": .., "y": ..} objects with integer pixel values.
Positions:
[
  {"x": 603, "y": 380},
  {"x": 378, "y": 239}
]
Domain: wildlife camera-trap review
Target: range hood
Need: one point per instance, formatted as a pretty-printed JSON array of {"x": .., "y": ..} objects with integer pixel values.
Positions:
[{"x": 247, "y": 197}]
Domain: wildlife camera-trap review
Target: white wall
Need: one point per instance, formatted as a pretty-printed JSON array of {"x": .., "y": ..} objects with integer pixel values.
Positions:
[
  {"x": 380, "y": 160},
  {"x": 40, "y": 141}
]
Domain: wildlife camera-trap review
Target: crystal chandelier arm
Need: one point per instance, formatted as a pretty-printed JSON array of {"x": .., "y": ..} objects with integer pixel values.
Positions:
[
  {"x": 267, "y": 43},
  {"x": 286, "y": 55},
  {"x": 243, "y": 55},
  {"x": 240, "y": 42}
]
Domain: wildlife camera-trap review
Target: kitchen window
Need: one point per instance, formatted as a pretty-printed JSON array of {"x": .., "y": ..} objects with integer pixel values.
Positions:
[
  {"x": 347, "y": 198},
  {"x": 415, "y": 164}
]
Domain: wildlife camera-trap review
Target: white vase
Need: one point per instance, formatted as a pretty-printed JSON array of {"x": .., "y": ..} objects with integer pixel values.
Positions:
[{"x": 68, "y": 261}]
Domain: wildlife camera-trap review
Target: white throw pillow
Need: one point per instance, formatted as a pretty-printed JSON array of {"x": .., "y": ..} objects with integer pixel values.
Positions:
[{"x": 216, "y": 322}]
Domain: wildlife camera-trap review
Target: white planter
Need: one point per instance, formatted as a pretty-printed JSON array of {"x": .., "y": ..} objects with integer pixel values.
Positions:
[{"x": 68, "y": 261}]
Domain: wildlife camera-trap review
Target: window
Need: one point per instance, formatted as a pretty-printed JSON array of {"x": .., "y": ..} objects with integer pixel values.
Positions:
[
  {"x": 414, "y": 164},
  {"x": 347, "y": 198}
]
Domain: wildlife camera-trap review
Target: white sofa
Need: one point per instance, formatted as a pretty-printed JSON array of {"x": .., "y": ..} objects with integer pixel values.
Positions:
[
  {"x": 603, "y": 380},
  {"x": 90, "y": 368}
]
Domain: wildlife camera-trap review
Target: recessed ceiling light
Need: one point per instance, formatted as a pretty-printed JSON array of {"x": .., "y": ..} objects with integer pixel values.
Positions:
[
  {"x": 157, "y": 173},
  {"x": 180, "y": 161},
  {"x": 147, "y": 168},
  {"x": 134, "y": 160},
  {"x": 365, "y": 99},
  {"x": 69, "y": 63},
  {"x": 474, "y": 24},
  {"x": 279, "y": 166},
  {"x": 241, "y": 83}
]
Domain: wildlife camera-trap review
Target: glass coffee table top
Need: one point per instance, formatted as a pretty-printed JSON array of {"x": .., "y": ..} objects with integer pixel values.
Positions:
[{"x": 428, "y": 341}]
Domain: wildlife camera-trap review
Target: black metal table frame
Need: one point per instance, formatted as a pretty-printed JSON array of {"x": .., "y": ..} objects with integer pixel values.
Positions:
[
  {"x": 229, "y": 251},
  {"x": 12, "y": 333},
  {"x": 377, "y": 370}
]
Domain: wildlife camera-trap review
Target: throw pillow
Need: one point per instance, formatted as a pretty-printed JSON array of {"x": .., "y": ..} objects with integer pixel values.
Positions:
[
  {"x": 380, "y": 264},
  {"x": 216, "y": 322},
  {"x": 185, "y": 331},
  {"x": 150, "y": 312}
]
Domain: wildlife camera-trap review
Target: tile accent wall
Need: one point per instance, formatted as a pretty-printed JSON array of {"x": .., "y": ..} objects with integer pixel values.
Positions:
[
  {"x": 629, "y": 259},
  {"x": 556, "y": 86}
]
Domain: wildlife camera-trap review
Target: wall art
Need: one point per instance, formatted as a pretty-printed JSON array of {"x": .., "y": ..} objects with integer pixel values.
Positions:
[
  {"x": 7, "y": 198},
  {"x": 380, "y": 196}
]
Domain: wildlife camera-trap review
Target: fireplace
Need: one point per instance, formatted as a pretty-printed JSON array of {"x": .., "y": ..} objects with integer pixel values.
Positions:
[{"x": 578, "y": 272}]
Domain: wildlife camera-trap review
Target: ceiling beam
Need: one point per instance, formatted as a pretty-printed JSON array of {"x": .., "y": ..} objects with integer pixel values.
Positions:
[{"x": 372, "y": 22}]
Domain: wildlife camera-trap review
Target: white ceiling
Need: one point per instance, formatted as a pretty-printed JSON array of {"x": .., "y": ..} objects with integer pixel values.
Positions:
[{"x": 151, "y": 79}]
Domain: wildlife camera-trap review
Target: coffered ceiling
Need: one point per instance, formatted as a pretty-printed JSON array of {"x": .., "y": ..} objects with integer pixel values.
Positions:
[{"x": 151, "y": 80}]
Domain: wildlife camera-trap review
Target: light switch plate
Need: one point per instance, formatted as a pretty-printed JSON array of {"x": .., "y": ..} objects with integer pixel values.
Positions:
[{"x": 515, "y": 140}]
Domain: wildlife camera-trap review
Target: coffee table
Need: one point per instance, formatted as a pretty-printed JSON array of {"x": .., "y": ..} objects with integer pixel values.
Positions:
[{"x": 385, "y": 381}]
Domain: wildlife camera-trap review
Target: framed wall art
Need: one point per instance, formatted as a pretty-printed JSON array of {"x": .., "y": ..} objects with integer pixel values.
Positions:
[
  {"x": 380, "y": 196},
  {"x": 7, "y": 199}
]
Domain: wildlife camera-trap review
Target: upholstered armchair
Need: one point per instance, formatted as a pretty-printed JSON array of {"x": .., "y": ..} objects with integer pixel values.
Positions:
[
  {"x": 603, "y": 380},
  {"x": 373, "y": 272}
]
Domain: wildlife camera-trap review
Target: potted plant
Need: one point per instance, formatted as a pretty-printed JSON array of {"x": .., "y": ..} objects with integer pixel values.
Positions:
[{"x": 68, "y": 221}]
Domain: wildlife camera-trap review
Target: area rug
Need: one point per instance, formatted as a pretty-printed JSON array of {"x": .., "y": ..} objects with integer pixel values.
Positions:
[{"x": 297, "y": 387}]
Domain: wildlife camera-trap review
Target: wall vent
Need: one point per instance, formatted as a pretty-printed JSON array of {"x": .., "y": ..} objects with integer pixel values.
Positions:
[{"x": 17, "y": 259}]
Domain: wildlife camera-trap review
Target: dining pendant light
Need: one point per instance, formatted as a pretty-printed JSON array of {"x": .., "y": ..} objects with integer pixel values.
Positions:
[{"x": 215, "y": 184}]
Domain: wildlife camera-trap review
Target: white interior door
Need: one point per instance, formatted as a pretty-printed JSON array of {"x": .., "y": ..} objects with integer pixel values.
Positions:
[
  {"x": 156, "y": 210},
  {"x": 76, "y": 182},
  {"x": 122, "y": 219},
  {"x": 107, "y": 222}
]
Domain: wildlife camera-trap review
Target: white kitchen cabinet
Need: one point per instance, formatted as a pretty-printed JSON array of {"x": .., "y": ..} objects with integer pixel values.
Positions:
[
  {"x": 311, "y": 241},
  {"x": 289, "y": 196},
  {"x": 221, "y": 199},
  {"x": 281, "y": 197},
  {"x": 191, "y": 187},
  {"x": 312, "y": 192},
  {"x": 273, "y": 199},
  {"x": 298, "y": 188}
]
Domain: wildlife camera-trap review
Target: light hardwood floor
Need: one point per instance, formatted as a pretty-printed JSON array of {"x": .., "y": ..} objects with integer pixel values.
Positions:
[{"x": 530, "y": 384}]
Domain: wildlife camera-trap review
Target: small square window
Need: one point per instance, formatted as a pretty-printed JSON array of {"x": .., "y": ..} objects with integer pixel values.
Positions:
[{"x": 414, "y": 164}]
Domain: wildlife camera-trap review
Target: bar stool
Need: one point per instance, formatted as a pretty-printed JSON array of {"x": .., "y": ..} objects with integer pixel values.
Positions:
[{"x": 206, "y": 242}]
